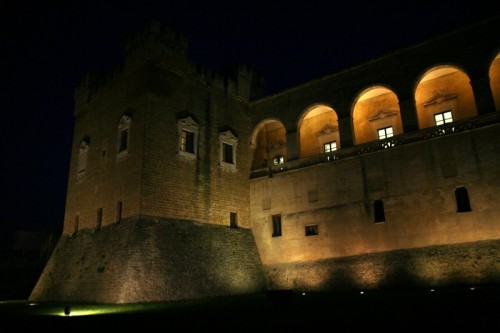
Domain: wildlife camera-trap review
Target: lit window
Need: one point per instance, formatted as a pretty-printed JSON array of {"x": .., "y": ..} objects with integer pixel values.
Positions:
[
  {"x": 278, "y": 160},
  {"x": 276, "y": 225},
  {"x": 187, "y": 141},
  {"x": 384, "y": 133},
  {"x": 330, "y": 146},
  {"x": 443, "y": 118},
  {"x": 311, "y": 230}
]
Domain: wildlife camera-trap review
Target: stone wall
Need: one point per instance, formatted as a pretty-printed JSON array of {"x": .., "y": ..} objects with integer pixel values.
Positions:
[
  {"x": 468, "y": 264},
  {"x": 148, "y": 259},
  {"x": 416, "y": 183}
]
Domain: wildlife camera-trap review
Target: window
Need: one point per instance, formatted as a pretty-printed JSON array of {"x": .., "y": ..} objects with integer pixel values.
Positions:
[
  {"x": 187, "y": 142},
  {"x": 328, "y": 138},
  {"x": 311, "y": 230},
  {"x": 233, "y": 220},
  {"x": 76, "y": 225},
  {"x": 123, "y": 136},
  {"x": 378, "y": 208},
  {"x": 276, "y": 225},
  {"x": 384, "y": 133},
  {"x": 462, "y": 198},
  {"x": 330, "y": 146},
  {"x": 119, "y": 209},
  {"x": 443, "y": 118},
  {"x": 188, "y": 131},
  {"x": 227, "y": 153},
  {"x": 123, "y": 140},
  {"x": 278, "y": 160},
  {"x": 99, "y": 219},
  {"x": 228, "y": 143},
  {"x": 82, "y": 159}
]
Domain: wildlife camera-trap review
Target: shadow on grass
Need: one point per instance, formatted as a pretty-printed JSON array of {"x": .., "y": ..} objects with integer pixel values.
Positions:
[{"x": 438, "y": 310}]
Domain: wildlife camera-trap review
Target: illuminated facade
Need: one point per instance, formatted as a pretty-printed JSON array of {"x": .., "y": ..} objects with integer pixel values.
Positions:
[{"x": 383, "y": 175}]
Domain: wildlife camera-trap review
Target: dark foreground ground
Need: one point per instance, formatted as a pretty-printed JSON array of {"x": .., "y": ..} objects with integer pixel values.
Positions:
[{"x": 476, "y": 309}]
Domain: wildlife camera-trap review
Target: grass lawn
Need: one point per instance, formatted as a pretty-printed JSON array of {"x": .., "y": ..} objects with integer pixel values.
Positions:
[{"x": 439, "y": 310}]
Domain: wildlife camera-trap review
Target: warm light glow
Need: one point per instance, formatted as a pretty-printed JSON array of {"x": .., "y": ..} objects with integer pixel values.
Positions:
[
  {"x": 369, "y": 274},
  {"x": 445, "y": 70}
]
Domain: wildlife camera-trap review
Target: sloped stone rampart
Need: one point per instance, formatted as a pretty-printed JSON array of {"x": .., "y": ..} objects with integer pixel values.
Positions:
[{"x": 149, "y": 259}]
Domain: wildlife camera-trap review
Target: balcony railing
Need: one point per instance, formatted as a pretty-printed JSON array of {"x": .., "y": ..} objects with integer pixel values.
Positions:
[{"x": 395, "y": 141}]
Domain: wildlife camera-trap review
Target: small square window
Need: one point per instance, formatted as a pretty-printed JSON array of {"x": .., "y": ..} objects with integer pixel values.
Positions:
[
  {"x": 384, "y": 133},
  {"x": 311, "y": 230},
  {"x": 330, "y": 146},
  {"x": 443, "y": 118},
  {"x": 278, "y": 160}
]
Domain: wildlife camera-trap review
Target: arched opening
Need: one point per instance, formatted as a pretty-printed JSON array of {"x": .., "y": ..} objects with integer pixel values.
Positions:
[
  {"x": 495, "y": 80},
  {"x": 318, "y": 131},
  {"x": 444, "y": 94},
  {"x": 269, "y": 142},
  {"x": 376, "y": 115}
]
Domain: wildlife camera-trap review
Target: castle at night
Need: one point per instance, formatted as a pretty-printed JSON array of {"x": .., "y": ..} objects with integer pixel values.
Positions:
[{"x": 187, "y": 183}]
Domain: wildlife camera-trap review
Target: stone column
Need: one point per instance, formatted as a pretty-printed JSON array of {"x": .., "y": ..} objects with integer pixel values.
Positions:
[
  {"x": 408, "y": 115},
  {"x": 345, "y": 131},
  {"x": 292, "y": 145},
  {"x": 483, "y": 95}
]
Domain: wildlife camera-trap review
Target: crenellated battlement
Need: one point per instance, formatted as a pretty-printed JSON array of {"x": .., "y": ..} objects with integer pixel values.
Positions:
[
  {"x": 156, "y": 35},
  {"x": 162, "y": 46}
]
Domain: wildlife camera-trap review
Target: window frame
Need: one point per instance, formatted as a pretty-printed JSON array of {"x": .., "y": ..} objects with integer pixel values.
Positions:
[
  {"x": 83, "y": 153},
  {"x": 233, "y": 220},
  {"x": 311, "y": 230},
  {"x": 462, "y": 200},
  {"x": 228, "y": 138},
  {"x": 443, "y": 116},
  {"x": 278, "y": 159},
  {"x": 276, "y": 225},
  {"x": 98, "y": 224},
  {"x": 329, "y": 144},
  {"x": 378, "y": 211},
  {"x": 188, "y": 125},
  {"x": 123, "y": 148}
]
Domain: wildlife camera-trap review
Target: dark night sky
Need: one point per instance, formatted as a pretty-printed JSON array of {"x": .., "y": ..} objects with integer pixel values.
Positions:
[{"x": 47, "y": 48}]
